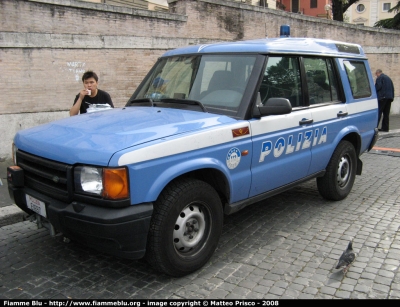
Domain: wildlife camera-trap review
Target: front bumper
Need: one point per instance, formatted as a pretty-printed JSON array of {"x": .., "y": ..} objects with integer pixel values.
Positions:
[{"x": 118, "y": 231}]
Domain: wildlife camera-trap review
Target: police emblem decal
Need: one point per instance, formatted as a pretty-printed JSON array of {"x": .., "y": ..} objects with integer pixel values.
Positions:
[{"x": 233, "y": 158}]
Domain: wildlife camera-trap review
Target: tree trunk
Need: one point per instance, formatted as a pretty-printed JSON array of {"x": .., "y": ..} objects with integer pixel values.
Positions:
[{"x": 337, "y": 10}]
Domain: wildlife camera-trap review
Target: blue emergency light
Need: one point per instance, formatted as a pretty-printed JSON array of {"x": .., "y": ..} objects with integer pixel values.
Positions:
[{"x": 285, "y": 31}]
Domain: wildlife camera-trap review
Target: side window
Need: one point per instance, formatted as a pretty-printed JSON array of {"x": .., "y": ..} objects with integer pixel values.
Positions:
[
  {"x": 282, "y": 79},
  {"x": 321, "y": 81},
  {"x": 358, "y": 78}
]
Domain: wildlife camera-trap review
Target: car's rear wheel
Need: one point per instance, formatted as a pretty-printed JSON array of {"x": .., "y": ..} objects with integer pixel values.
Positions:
[
  {"x": 340, "y": 174},
  {"x": 185, "y": 228}
]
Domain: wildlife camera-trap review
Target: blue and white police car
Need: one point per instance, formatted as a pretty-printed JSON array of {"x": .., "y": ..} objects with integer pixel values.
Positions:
[{"x": 225, "y": 125}]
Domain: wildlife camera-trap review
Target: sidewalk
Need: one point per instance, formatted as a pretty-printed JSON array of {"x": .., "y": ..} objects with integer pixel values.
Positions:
[{"x": 10, "y": 213}]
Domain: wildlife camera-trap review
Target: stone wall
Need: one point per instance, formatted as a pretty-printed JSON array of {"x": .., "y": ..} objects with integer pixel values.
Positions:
[{"x": 46, "y": 45}]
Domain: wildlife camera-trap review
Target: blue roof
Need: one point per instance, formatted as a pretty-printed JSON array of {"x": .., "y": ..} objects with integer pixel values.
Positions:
[{"x": 284, "y": 45}]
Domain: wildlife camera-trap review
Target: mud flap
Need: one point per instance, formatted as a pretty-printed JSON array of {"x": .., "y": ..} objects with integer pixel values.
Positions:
[{"x": 359, "y": 166}]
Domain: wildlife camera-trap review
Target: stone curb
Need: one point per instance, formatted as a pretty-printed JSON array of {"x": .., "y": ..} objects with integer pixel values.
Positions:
[{"x": 11, "y": 214}]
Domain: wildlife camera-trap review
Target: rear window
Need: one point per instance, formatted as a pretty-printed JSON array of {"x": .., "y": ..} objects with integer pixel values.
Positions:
[{"x": 358, "y": 78}]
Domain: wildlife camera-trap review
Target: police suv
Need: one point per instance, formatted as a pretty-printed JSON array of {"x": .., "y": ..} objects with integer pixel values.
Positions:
[{"x": 209, "y": 131}]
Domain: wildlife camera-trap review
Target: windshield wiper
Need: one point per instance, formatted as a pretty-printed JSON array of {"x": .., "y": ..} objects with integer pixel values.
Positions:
[
  {"x": 185, "y": 102},
  {"x": 140, "y": 102}
]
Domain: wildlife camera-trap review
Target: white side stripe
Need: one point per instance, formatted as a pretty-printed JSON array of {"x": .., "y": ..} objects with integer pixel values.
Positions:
[
  {"x": 362, "y": 106},
  {"x": 182, "y": 144}
]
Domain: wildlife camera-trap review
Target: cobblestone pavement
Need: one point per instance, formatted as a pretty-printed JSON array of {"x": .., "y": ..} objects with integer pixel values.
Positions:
[{"x": 283, "y": 247}]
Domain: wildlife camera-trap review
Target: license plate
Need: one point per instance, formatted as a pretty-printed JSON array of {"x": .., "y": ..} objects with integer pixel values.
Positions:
[{"x": 36, "y": 205}]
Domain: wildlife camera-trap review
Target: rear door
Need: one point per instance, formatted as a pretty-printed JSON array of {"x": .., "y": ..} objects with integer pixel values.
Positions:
[
  {"x": 362, "y": 102},
  {"x": 327, "y": 106}
]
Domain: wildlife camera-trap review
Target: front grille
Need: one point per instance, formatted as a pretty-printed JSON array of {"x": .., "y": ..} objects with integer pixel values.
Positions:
[{"x": 48, "y": 177}]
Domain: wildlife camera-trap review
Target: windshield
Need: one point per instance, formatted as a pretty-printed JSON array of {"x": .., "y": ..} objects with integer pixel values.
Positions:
[{"x": 216, "y": 81}]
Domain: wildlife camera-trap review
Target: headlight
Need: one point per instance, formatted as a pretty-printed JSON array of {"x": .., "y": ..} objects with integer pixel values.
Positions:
[
  {"x": 14, "y": 153},
  {"x": 89, "y": 180},
  {"x": 110, "y": 183}
]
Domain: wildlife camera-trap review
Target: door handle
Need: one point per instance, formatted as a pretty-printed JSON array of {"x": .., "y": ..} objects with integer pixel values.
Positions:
[
  {"x": 342, "y": 114},
  {"x": 306, "y": 121}
]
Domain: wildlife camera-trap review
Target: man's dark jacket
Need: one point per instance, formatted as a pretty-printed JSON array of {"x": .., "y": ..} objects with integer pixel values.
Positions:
[{"x": 384, "y": 87}]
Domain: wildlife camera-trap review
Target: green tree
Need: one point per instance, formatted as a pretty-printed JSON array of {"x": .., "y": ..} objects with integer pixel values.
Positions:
[
  {"x": 390, "y": 23},
  {"x": 339, "y": 7}
]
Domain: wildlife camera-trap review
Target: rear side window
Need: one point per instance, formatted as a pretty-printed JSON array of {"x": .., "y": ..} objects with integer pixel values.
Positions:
[
  {"x": 321, "y": 82},
  {"x": 358, "y": 79}
]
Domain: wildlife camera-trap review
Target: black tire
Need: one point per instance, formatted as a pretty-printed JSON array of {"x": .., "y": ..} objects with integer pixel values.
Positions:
[
  {"x": 185, "y": 228},
  {"x": 340, "y": 174}
]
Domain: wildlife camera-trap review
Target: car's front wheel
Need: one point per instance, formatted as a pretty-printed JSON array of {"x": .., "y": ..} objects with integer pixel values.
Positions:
[{"x": 185, "y": 228}]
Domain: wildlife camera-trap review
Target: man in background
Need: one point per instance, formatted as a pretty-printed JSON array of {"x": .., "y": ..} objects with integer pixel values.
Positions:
[{"x": 385, "y": 90}]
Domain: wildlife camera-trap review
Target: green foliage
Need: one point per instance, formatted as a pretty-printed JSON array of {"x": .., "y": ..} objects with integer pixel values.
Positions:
[
  {"x": 339, "y": 7},
  {"x": 390, "y": 23}
]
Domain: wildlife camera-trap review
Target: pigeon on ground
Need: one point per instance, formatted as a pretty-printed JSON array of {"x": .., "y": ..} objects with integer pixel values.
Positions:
[{"x": 346, "y": 258}]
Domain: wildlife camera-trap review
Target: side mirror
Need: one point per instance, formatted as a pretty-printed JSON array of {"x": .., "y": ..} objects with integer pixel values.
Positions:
[{"x": 273, "y": 106}]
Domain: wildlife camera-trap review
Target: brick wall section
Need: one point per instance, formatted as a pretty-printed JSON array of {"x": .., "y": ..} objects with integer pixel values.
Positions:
[
  {"x": 45, "y": 48},
  {"x": 39, "y": 85}
]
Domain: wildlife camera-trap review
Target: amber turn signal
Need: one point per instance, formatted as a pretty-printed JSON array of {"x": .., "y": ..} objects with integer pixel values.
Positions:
[{"x": 115, "y": 183}]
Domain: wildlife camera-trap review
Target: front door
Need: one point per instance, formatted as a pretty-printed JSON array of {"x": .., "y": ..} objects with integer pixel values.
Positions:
[{"x": 281, "y": 143}]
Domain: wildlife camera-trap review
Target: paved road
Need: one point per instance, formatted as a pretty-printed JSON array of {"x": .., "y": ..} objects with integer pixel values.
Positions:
[{"x": 284, "y": 247}]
